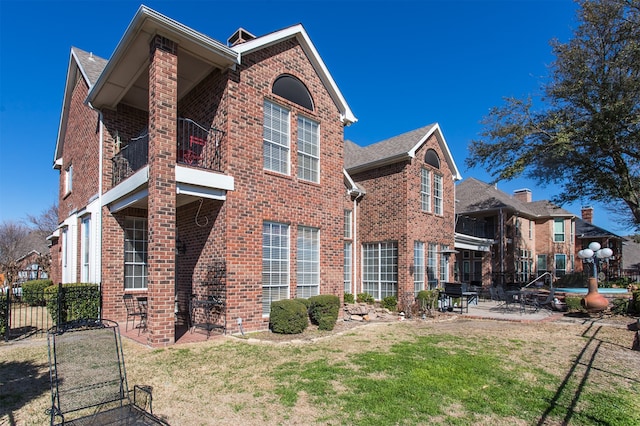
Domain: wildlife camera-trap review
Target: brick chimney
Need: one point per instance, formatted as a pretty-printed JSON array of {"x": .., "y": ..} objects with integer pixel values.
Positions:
[
  {"x": 523, "y": 195},
  {"x": 587, "y": 214}
]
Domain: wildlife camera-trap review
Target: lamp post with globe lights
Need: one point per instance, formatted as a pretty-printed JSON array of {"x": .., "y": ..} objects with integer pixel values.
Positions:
[{"x": 594, "y": 301}]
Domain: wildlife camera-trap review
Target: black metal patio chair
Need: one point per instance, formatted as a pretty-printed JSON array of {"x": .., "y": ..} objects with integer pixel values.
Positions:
[
  {"x": 133, "y": 312},
  {"x": 89, "y": 380}
]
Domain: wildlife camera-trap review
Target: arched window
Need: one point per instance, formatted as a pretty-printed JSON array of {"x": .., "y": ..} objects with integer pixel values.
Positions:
[
  {"x": 431, "y": 158},
  {"x": 289, "y": 87}
]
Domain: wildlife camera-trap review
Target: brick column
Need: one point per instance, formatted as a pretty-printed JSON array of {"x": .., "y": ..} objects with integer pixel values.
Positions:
[{"x": 163, "y": 92}]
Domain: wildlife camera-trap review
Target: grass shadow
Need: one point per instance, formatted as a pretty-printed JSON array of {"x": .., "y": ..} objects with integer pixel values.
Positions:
[{"x": 20, "y": 383}]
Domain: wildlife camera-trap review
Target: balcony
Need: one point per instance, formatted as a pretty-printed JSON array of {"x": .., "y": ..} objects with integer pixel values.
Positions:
[{"x": 197, "y": 147}]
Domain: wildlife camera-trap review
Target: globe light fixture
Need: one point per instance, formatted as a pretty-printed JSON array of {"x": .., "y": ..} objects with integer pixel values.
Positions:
[{"x": 594, "y": 254}]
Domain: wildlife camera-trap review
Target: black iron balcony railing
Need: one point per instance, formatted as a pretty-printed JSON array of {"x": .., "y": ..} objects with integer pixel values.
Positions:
[{"x": 197, "y": 146}]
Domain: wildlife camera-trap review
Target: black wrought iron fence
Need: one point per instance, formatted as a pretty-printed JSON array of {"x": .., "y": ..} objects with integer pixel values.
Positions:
[{"x": 31, "y": 314}]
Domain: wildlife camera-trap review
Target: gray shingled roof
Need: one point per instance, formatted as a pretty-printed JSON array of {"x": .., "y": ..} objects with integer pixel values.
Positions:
[
  {"x": 473, "y": 196},
  {"x": 589, "y": 230},
  {"x": 547, "y": 208},
  {"x": 356, "y": 156},
  {"x": 90, "y": 64}
]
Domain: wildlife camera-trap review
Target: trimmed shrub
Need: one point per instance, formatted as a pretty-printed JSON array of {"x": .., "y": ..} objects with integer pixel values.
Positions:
[
  {"x": 635, "y": 304},
  {"x": 33, "y": 292},
  {"x": 390, "y": 303},
  {"x": 73, "y": 301},
  {"x": 573, "y": 304},
  {"x": 288, "y": 316},
  {"x": 348, "y": 298},
  {"x": 428, "y": 300},
  {"x": 324, "y": 311},
  {"x": 365, "y": 298},
  {"x": 304, "y": 301}
]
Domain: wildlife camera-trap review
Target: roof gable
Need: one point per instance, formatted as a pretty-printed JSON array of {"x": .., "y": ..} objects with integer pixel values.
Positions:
[
  {"x": 397, "y": 148},
  {"x": 89, "y": 67},
  {"x": 299, "y": 33}
]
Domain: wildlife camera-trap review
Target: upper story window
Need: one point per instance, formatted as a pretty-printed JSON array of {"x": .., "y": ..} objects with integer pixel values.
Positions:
[
  {"x": 292, "y": 89},
  {"x": 558, "y": 230},
  {"x": 276, "y": 138},
  {"x": 68, "y": 179},
  {"x": 431, "y": 185},
  {"x": 348, "y": 214},
  {"x": 308, "y": 150}
]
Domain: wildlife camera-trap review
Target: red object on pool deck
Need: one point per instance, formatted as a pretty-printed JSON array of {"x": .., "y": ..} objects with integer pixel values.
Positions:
[{"x": 594, "y": 301}]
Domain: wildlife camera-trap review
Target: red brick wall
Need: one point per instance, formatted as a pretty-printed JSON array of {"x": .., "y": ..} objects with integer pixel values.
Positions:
[
  {"x": 263, "y": 196},
  {"x": 391, "y": 210},
  {"x": 163, "y": 90}
]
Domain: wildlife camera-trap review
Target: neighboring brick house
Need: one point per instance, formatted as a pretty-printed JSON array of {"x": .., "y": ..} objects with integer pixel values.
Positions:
[
  {"x": 401, "y": 201},
  {"x": 519, "y": 239},
  {"x": 193, "y": 167}
]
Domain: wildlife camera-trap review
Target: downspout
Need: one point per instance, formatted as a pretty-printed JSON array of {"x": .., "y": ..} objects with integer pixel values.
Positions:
[
  {"x": 354, "y": 271},
  {"x": 98, "y": 245},
  {"x": 502, "y": 242}
]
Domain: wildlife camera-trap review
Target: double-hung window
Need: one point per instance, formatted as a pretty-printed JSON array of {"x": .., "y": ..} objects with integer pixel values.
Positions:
[
  {"x": 135, "y": 253},
  {"x": 68, "y": 179},
  {"x": 432, "y": 266},
  {"x": 425, "y": 190},
  {"x": 275, "y": 136},
  {"x": 437, "y": 194},
  {"x": 275, "y": 264},
  {"x": 308, "y": 262},
  {"x": 418, "y": 266},
  {"x": 308, "y": 150},
  {"x": 558, "y": 230}
]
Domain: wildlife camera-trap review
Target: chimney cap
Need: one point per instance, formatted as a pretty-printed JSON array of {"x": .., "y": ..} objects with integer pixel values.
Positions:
[
  {"x": 240, "y": 36},
  {"x": 521, "y": 190}
]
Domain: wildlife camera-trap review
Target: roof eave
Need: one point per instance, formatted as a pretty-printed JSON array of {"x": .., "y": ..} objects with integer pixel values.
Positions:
[
  {"x": 379, "y": 163},
  {"x": 297, "y": 31},
  {"x": 156, "y": 23}
]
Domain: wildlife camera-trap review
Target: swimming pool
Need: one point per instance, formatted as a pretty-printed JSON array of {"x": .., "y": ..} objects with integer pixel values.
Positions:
[{"x": 584, "y": 290}]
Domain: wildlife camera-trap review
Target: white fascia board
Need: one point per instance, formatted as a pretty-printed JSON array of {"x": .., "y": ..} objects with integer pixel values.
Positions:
[
  {"x": 129, "y": 200},
  {"x": 128, "y": 186},
  {"x": 64, "y": 115},
  {"x": 298, "y": 31},
  {"x": 162, "y": 25},
  {"x": 469, "y": 242},
  {"x": 443, "y": 145},
  {"x": 204, "y": 178}
]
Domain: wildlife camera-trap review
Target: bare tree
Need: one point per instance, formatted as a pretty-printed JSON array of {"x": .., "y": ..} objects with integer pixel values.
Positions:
[{"x": 13, "y": 237}]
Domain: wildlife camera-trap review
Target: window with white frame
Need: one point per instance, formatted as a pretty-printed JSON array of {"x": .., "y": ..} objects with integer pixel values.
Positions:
[
  {"x": 135, "y": 253},
  {"x": 530, "y": 229},
  {"x": 275, "y": 264},
  {"x": 561, "y": 264},
  {"x": 308, "y": 150},
  {"x": 418, "y": 266},
  {"x": 425, "y": 190},
  {"x": 348, "y": 266},
  {"x": 432, "y": 266},
  {"x": 276, "y": 142},
  {"x": 380, "y": 269},
  {"x": 437, "y": 194},
  {"x": 68, "y": 179},
  {"x": 308, "y": 262},
  {"x": 348, "y": 214},
  {"x": 558, "y": 230},
  {"x": 86, "y": 249}
]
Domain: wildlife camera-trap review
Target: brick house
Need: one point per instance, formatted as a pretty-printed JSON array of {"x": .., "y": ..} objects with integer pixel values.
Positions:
[
  {"x": 509, "y": 239},
  {"x": 191, "y": 167},
  {"x": 401, "y": 194},
  {"x": 587, "y": 232}
]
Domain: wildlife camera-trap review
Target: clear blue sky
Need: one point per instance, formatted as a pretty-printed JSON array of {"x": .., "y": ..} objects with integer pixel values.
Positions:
[{"x": 399, "y": 64}]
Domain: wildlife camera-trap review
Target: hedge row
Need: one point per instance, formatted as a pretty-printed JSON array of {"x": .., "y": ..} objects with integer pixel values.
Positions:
[{"x": 74, "y": 300}]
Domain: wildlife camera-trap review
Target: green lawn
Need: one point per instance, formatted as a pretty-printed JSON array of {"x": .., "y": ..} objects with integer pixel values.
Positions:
[{"x": 460, "y": 372}]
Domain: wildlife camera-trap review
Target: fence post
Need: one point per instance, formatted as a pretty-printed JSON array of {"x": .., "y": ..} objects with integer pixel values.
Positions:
[
  {"x": 7, "y": 327},
  {"x": 59, "y": 301}
]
